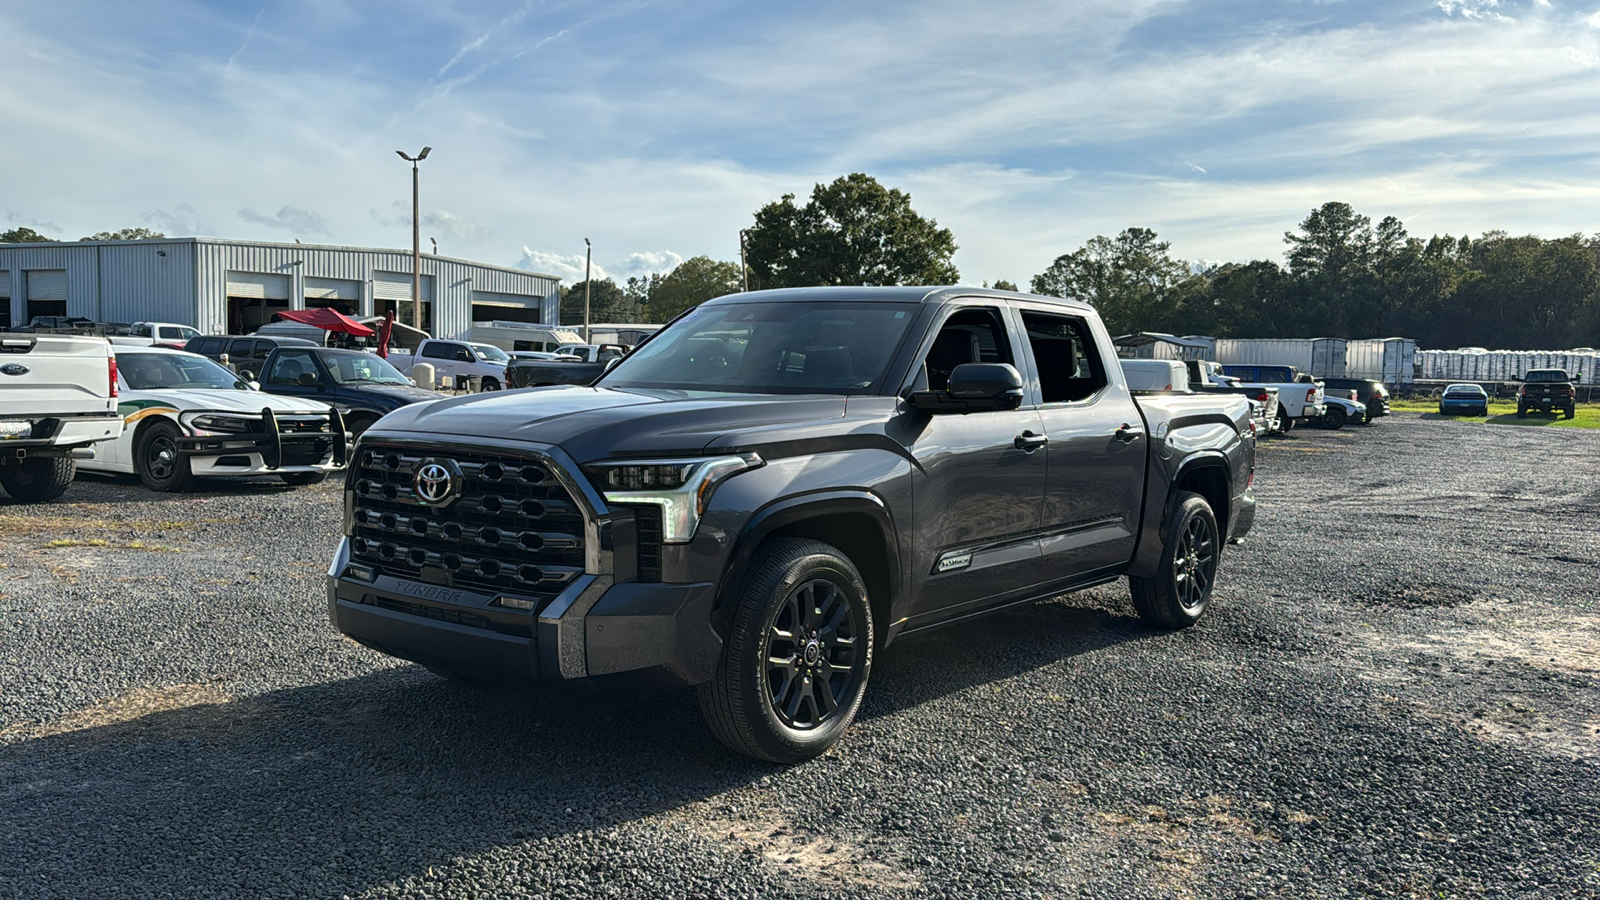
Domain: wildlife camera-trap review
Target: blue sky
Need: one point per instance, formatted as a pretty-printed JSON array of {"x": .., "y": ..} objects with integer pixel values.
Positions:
[{"x": 656, "y": 128}]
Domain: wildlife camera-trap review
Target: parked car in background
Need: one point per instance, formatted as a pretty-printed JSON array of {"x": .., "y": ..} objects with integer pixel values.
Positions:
[
  {"x": 1207, "y": 377},
  {"x": 599, "y": 353},
  {"x": 58, "y": 407},
  {"x": 1465, "y": 399},
  {"x": 360, "y": 385},
  {"x": 1156, "y": 375},
  {"x": 1547, "y": 390},
  {"x": 1300, "y": 397},
  {"x": 186, "y": 417},
  {"x": 1341, "y": 407},
  {"x": 458, "y": 360},
  {"x": 245, "y": 354},
  {"x": 1374, "y": 395},
  {"x": 156, "y": 334}
]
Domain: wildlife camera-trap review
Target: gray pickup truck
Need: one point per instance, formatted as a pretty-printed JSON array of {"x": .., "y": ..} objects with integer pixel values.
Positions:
[{"x": 777, "y": 486}]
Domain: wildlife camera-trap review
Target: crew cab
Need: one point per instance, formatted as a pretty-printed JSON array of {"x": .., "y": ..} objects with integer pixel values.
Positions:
[
  {"x": 777, "y": 486},
  {"x": 58, "y": 403},
  {"x": 578, "y": 364},
  {"x": 157, "y": 334},
  {"x": 186, "y": 417},
  {"x": 1547, "y": 390},
  {"x": 458, "y": 360},
  {"x": 1300, "y": 397},
  {"x": 363, "y": 387}
]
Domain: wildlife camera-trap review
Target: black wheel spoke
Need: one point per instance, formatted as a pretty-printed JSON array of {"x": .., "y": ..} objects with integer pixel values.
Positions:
[{"x": 811, "y": 654}]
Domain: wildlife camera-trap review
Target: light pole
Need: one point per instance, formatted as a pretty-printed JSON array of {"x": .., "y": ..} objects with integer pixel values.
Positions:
[
  {"x": 588, "y": 254},
  {"x": 416, "y": 239},
  {"x": 744, "y": 271}
]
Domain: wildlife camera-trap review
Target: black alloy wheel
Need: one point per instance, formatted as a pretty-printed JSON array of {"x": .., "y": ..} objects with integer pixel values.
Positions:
[
  {"x": 1334, "y": 418},
  {"x": 798, "y": 656},
  {"x": 157, "y": 460},
  {"x": 1180, "y": 591}
]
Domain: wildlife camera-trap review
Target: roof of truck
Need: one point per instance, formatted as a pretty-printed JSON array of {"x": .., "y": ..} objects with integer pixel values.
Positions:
[{"x": 897, "y": 294}]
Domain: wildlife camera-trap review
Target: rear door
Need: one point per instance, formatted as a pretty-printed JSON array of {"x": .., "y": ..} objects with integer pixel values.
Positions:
[{"x": 1094, "y": 484}]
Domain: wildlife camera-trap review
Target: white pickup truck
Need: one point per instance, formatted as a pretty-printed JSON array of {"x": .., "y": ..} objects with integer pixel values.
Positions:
[
  {"x": 458, "y": 360},
  {"x": 58, "y": 398},
  {"x": 1299, "y": 395}
]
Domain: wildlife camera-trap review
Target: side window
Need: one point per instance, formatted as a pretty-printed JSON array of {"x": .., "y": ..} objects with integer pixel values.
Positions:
[
  {"x": 462, "y": 354},
  {"x": 240, "y": 350},
  {"x": 263, "y": 350},
  {"x": 968, "y": 336},
  {"x": 1070, "y": 367},
  {"x": 290, "y": 365},
  {"x": 436, "y": 350}
]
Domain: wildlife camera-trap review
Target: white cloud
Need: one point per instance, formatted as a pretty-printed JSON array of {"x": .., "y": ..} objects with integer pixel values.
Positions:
[
  {"x": 291, "y": 218},
  {"x": 179, "y": 221},
  {"x": 568, "y": 268},
  {"x": 453, "y": 224}
]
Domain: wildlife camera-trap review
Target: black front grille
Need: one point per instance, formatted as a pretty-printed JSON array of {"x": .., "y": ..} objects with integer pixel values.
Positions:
[
  {"x": 443, "y": 614},
  {"x": 511, "y": 528},
  {"x": 305, "y": 453},
  {"x": 647, "y": 531}
]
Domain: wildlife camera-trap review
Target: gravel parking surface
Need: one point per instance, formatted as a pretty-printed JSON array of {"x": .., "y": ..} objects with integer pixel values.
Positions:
[{"x": 1397, "y": 693}]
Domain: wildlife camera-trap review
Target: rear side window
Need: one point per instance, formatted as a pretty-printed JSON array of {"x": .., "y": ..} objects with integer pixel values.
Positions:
[
  {"x": 241, "y": 349},
  {"x": 1070, "y": 368},
  {"x": 436, "y": 350}
]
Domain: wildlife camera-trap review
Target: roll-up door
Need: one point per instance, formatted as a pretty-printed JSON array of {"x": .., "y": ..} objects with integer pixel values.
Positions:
[
  {"x": 333, "y": 289},
  {"x": 397, "y": 286},
  {"x": 5, "y": 284},
  {"x": 491, "y": 306},
  {"x": 258, "y": 286},
  {"x": 47, "y": 284}
]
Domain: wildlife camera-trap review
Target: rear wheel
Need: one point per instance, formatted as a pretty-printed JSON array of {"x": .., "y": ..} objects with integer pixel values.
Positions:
[
  {"x": 1522, "y": 411},
  {"x": 490, "y": 384},
  {"x": 1333, "y": 418},
  {"x": 37, "y": 479},
  {"x": 1178, "y": 594},
  {"x": 1284, "y": 422},
  {"x": 157, "y": 460},
  {"x": 799, "y": 652},
  {"x": 299, "y": 479},
  {"x": 1572, "y": 410}
]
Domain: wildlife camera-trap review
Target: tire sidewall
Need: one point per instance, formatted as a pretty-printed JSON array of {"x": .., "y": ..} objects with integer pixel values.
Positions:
[
  {"x": 179, "y": 476},
  {"x": 749, "y": 653}
]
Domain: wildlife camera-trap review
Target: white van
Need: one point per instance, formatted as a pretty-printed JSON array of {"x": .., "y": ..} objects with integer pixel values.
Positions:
[{"x": 1156, "y": 375}]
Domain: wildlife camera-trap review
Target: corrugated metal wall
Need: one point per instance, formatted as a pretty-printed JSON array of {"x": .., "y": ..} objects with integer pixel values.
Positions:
[{"x": 184, "y": 280}]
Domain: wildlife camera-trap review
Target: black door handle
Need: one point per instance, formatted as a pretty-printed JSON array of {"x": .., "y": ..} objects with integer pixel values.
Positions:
[
  {"x": 1028, "y": 442},
  {"x": 1127, "y": 434}
]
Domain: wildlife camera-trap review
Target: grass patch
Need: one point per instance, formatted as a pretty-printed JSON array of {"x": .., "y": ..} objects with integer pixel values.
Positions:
[
  {"x": 59, "y": 543},
  {"x": 1504, "y": 412},
  {"x": 78, "y": 542}
]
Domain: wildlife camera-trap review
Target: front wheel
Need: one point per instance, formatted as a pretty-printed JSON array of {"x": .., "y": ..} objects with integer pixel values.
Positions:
[
  {"x": 799, "y": 652},
  {"x": 489, "y": 384},
  {"x": 38, "y": 479},
  {"x": 300, "y": 479},
  {"x": 1333, "y": 419},
  {"x": 1572, "y": 411},
  {"x": 157, "y": 460},
  {"x": 1177, "y": 595}
]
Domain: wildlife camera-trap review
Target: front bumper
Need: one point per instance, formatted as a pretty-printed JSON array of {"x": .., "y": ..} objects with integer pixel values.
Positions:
[
  {"x": 655, "y": 633},
  {"x": 272, "y": 450}
]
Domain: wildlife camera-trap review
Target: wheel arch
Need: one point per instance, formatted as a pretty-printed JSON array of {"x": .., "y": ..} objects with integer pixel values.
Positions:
[
  {"x": 1205, "y": 472},
  {"x": 857, "y": 523}
]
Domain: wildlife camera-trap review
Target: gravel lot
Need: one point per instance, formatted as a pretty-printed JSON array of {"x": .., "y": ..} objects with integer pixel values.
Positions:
[{"x": 1397, "y": 693}]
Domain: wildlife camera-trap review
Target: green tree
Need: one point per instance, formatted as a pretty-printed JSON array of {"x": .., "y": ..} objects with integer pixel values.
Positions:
[
  {"x": 853, "y": 231},
  {"x": 1130, "y": 279},
  {"x": 124, "y": 234},
  {"x": 691, "y": 283},
  {"x": 24, "y": 235},
  {"x": 1000, "y": 284},
  {"x": 607, "y": 303}
]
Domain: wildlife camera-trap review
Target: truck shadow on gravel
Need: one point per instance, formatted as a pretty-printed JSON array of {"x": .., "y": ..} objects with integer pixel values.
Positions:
[{"x": 348, "y": 785}]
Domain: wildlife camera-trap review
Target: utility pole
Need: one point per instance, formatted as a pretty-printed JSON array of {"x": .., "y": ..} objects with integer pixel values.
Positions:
[
  {"x": 744, "y": 271},
  {"x": 588, "y": 254},
  {"x": 416, "y": 239}
]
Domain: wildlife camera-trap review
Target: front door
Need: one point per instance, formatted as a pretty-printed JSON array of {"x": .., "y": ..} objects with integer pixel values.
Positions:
[
  {"x": 1097, "y": 449},
  {"x": 975, "y": 488}
]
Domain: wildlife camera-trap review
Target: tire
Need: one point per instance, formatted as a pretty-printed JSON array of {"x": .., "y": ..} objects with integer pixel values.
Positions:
[
  {"x": 1179, "y": 593},
  {"x": 786, "y": 719},
  {"x": 37, "y": 479},
  {"x": 1333, "y": 419},
  {"x": 1522, "y": 411},
  {"x": 1572, "y": 411},
  {"x": 300, "y": 479},
  {"x": 489, "y": 384},
  {"x": 358, "y": 423},
  {"x": 156, "y": 459},
  {"x": 1285, "y": 423}
]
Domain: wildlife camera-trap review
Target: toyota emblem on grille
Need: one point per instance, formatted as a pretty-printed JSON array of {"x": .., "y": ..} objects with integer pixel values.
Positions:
[{"x": 436, "y": 482}]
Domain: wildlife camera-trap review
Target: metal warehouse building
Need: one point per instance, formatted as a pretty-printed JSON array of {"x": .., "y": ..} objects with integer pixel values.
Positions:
[{"x": 232, "y": 287}]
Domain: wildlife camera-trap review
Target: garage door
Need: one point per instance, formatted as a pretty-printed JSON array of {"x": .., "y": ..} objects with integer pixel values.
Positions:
[
  {"x": 5, "y": 284},
  {"x": 397, "y": 286},
  {"x": 258, "y": 285},
  {"x": 47, "y": 284},
  {"x": 332, "y": 289}
]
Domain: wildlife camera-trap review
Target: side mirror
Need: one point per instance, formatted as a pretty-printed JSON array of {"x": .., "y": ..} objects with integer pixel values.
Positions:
[
  {"x": 253, "y": 384},
  {"x": 246, "y": 375},
  {"x": 975, "y": 387},
  {"x": 307, "y": 379}
]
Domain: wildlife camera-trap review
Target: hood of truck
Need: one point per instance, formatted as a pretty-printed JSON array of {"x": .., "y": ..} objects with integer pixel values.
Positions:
[
  {"x": 219, "y": 400},
  {"x": 595, "y": 423}
]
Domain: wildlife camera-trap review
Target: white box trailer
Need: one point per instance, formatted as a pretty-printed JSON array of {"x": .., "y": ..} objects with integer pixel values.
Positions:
[
  {"x": 1392, "y": 361},
  {"x": 1323, "y": 357},
  {"x": 511, "y": 336}
]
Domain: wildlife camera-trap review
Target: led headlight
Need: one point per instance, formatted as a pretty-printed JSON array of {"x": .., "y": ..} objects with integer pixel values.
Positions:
[
  {"x": 681, "y": 487},
  {"x": 212, "y": 424}
]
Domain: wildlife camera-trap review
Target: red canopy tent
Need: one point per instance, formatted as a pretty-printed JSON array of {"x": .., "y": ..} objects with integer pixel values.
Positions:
[{"x": 327, "y": 319}]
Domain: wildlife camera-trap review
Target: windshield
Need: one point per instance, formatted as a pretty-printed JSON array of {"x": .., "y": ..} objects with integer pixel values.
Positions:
[
  {"x": 1547, "y": 376},
  {"x": 490, "y": 353},
  {"x": 155, "y": 371},
  {"x": 362, "y": 368},
  {"x": 796, "y": 347}
]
